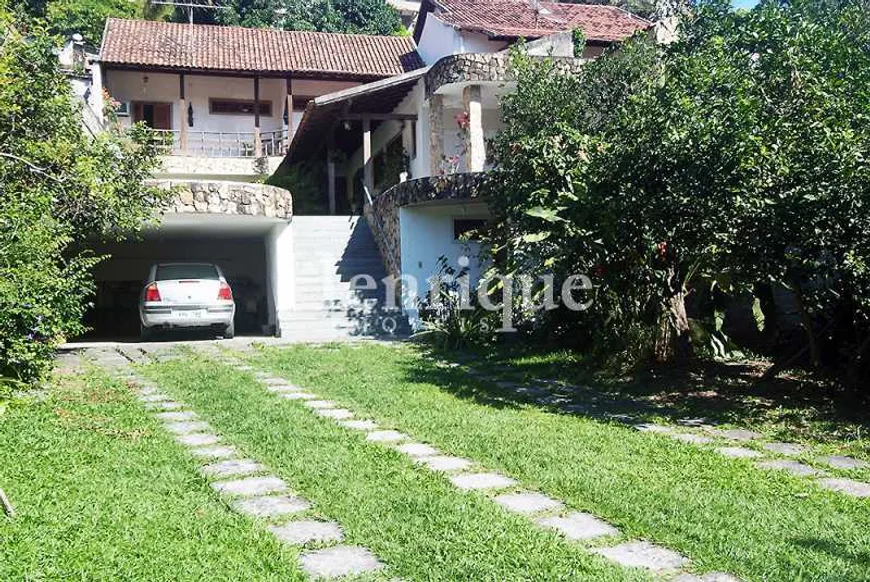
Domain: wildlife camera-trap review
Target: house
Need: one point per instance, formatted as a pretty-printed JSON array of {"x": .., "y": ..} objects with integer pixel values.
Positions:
[
  {"x": 435, "y": 124},
  {"x": 229, "y": 101},
  {"x": 400, "y": 127}
]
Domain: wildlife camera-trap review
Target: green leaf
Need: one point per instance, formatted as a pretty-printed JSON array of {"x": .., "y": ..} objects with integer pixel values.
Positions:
[
  {"x": 536, "y": 237},
  {"x": 548, "y": 214},
  {"x": 758, "y": 314}
]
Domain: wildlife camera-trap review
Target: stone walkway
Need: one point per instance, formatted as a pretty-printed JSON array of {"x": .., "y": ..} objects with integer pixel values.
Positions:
[
  {"x": 248, "y": 485},
  {"x": 466, "y": 475},
  {"x": 727, "y": 442}
]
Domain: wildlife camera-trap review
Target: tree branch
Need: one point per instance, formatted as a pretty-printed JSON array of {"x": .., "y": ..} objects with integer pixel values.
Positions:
[
  {"x": 7, "y": 506},
  {"x": 33, "y": 167}
]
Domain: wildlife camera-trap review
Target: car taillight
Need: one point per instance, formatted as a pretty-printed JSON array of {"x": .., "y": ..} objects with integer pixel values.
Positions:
[
  {"x": 225, "y": 293},
  {"x": 152, "y": 294}
]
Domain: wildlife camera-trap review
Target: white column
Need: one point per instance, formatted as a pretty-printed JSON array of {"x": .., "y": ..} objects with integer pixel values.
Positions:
[
  {"x": 97, "y": 103},
  {"x": 368, "y": 167},
  {"x": 475, "y": 156},
  {"x": 281, "y": 266}
]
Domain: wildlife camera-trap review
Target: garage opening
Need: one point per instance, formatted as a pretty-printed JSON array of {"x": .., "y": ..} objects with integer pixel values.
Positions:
[{"x": 238, "y": 245}]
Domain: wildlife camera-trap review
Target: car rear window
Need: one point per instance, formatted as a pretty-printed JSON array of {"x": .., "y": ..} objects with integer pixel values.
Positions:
[{"x": 190, "y": 271}]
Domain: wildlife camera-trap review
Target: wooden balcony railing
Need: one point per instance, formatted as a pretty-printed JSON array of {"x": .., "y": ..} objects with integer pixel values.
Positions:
[{"x": 224, "y": 144}]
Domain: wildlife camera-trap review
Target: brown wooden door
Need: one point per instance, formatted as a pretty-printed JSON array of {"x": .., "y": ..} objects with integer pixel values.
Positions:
[{"x": 155, "y": 115}]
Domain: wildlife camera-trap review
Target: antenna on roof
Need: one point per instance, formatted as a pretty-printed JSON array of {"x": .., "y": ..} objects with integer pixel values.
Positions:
[{"x": 191, "y": 5}]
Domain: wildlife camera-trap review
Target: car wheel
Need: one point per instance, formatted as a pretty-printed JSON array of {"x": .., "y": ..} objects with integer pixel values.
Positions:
[
  {"x": 230, "y": 331},
  {"x": 146, "y": 334}
]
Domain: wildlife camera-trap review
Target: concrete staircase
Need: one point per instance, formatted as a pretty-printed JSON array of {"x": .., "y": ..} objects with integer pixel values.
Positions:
[{"x": 329, "y": 251}]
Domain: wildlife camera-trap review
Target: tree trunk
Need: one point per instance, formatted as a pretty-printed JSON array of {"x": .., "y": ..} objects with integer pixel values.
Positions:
[
  {"x": 674, "y": 341},
  {"x": 807, "y": 323}
]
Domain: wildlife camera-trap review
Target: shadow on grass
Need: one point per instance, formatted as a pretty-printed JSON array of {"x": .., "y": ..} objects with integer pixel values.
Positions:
[
  {"x": 796, "y": 406},
  {"x": 830, "y": 548}
]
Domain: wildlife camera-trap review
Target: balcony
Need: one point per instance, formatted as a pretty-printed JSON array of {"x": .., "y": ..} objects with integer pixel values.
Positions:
[{"x": 222, "y": 144}]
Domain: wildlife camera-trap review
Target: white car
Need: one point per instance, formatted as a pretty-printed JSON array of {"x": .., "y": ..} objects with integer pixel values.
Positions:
[{"x": 186, "y": 296}]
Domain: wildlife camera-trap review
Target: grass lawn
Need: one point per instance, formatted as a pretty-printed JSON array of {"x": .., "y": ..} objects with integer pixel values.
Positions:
[
  {"x": 722, "y": 513},
  {"x": 793, "y": 407},
  {"x": 414, "y": 520},
  {"x": 103, "y": 493}
]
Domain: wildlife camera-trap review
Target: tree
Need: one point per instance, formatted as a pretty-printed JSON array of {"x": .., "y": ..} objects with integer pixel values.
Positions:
[
  {"x": 734, "y": 156},
  {"x": 57, "y": 188},
  {"x": 349, "y": 16}
]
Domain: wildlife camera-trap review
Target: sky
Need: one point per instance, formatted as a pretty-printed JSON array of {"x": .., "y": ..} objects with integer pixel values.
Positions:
[{"x": 744, "y": 3}]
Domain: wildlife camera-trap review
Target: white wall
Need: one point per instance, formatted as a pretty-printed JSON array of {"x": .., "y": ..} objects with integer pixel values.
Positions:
[
  {"x": 162, "y": 87},
  {"x": 426, "y": 233},
  {"x": 440, "y": 39}
]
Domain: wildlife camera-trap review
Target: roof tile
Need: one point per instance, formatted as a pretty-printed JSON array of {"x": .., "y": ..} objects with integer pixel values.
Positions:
[
  {"x": 231, "y": 48},
  {"x": 517, "y": 18}
]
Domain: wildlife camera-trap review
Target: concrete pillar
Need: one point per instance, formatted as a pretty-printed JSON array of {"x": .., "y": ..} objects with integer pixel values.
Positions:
[
  {"x": 97, "y": 103},
  {"x": 280, "y": 264},
  {"x": 436, "y": 134},
  {"x": 258, "y": 140},
  {"x": 368, "y": 166},
  {"x": 330, "y": 176},
  {"x": 475, "y": 150},
  {"x": 182, "y": 102},
  {"x": 290, "y": 129}
]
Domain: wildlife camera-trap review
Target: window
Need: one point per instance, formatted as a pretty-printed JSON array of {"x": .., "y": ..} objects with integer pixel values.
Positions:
[
  {"x": 468, "y": 228},
  {"x": 300, "y": 102},
  {"x": 178, "y": 271},
  {"x": 238, "y": 107}
]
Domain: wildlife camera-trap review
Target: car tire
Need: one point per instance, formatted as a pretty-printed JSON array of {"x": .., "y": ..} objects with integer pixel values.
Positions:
[
  {"x": 230, "y": 331},
  {"x": 146, "y": 334}
]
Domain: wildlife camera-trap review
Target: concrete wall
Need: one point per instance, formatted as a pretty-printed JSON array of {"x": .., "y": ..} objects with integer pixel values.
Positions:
[
  {"x": 427, "y": 234},
  {"x": 440, "y": 39},
  {"x": 129, "y": 86}
]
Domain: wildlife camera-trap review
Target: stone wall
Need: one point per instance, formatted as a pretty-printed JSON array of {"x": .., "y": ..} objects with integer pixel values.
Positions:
[
  {"x": 235, "y": 198},
  {"x": 243, "y": 169},
  {"x": 479, "y": 68},
  {"x": 383, "y": 214}
]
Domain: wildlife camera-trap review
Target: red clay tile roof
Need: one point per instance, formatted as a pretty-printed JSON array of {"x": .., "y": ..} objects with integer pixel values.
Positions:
[
  {"x": 516, "y": 18},
  {"x": 150, "y": 44}
]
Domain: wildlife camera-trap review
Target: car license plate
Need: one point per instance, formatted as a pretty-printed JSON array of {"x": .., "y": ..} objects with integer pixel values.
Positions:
[{"x": 189, "y": 314}]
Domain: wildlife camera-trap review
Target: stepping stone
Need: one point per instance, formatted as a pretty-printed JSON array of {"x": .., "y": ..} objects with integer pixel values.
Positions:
[
  {"x": 165, "y": 405},
  {"x": 694, "y": 439},
  {"x": 696, "y": 422},
  {"x": 364, "y": 425},
  {"x": 386, "y": 436},
  {"x": 417, "y": 450},
  {"x": 244, "y": 368},
  {"x": 214, "y": 452},
  {"x": 297, "y": 396},
  {"x": 657, "y": 428},
  {"x": 847, "y": 486},
  {"x": 643, "y": 555},
  {"x": 187, "y": 427},
  {"x": 251, "y": 487},
  {"x": 445, "y": 464},
  {"x": 508, "y": 385},
  {"x": 527, "y": 503},
  {"x": 788, "y": 449},
  {"x": 272, "y": 381},
  {"x": 198, "y": 439},
  {"x": 792, "y": 467},
  {"x": 298, "y": 533},
  {"x": 334, "y": 413},
  {"x": 736, "y": 434},
  {"x": 233, "y": 468},
  {"x": 283, "y": 389},
  {"x": 477, "y": 481},
  {"x": 154, "y": 397},
  {"x": 709, "y": 577},
  {"x": 277, "y": 506},
  {"x": 738, "y": 452},
  {"x": 840, "y": 462},
  {"x": 320, "y": 404},
  {"x": 578, "y": 526},
  {"x": 339, "y": 561},
  {"x": 176, "y": 416}
]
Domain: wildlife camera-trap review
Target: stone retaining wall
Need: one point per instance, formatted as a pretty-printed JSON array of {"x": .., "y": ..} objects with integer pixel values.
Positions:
[
  {"x": 485, "y": 67},
  {"x": 383, "y": 214},
  {"x": 233, "y": 198}
]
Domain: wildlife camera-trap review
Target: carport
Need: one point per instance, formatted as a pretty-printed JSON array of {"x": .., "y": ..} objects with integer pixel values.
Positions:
[{"x": 245, "y": 247}]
